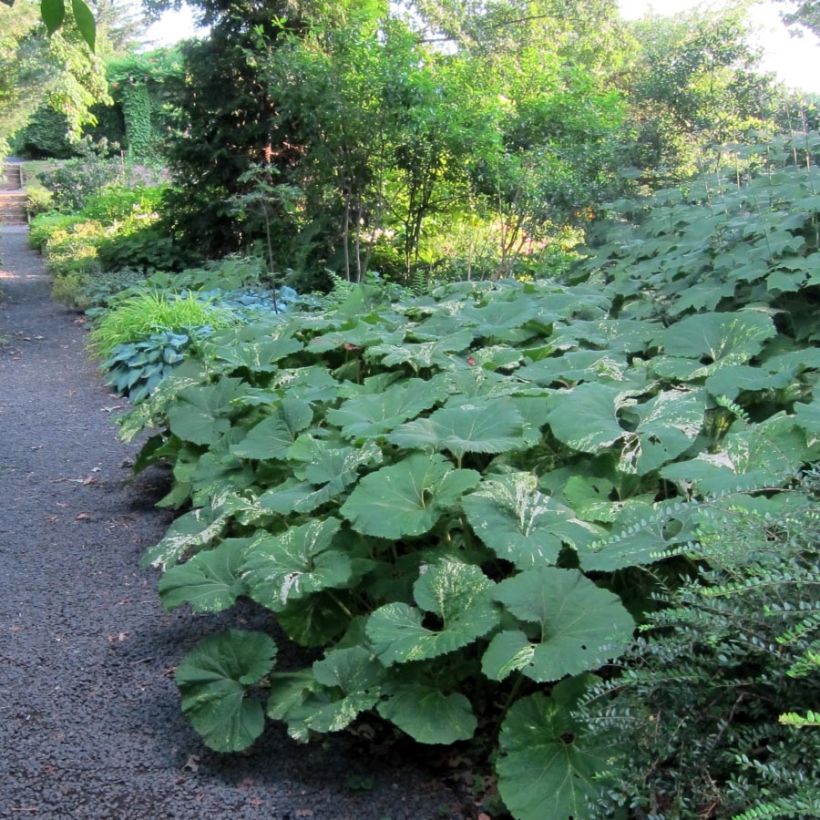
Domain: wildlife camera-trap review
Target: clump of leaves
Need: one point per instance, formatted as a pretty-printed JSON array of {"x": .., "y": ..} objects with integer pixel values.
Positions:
[
  {"x": 699, "y": 698},
  {"x": 454, "y": 494},
  {"x": 136, "y": 368},
  {"x": 141, "y": 315}
]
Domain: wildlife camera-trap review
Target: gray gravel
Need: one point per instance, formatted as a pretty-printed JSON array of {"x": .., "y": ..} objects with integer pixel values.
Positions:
[{"x": 90, "y": 725}]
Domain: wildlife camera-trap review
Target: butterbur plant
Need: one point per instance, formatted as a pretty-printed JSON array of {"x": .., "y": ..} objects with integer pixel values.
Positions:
[{"x": 465, "y": 499}]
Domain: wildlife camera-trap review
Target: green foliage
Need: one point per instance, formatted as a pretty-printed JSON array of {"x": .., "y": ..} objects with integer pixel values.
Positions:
[
  {"x": 453, "y": 494},
  {"x": 137, "y": 317},
  {"x": 699, "y": 698},
  {"x": 145, "y": 247},
  {"x": 134, "y": 369},
  {"x": 117, "y": 202},
  {"x": 37, "y": 69},
  {"x": 695, "y": 82},
  {"x": 45, "y": 135},
  {"x": 136, "y": 108},
  {"x": 73, "y": 182},
  {"x": 45, "y": 224},
  {"x": 38, "y": 200}
]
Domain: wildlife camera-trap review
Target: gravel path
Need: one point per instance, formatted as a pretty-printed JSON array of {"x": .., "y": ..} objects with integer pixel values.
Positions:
[{"x": 90, "y": 725}]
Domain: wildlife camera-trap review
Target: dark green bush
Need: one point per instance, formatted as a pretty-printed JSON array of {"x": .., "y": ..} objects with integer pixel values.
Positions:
[
  {"x": 146, "y": 248},
  {"x": 700, "y": 695}
]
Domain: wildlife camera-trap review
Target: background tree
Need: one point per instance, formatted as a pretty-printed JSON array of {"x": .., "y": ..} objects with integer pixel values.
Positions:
[{"x": 35, "y": 68}]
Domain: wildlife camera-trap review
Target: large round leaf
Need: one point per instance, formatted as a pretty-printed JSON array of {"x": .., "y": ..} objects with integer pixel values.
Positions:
[
  {"x": 522, "y": 525},
  {"x": 545, "y": 769},
  {"x": 406, "y": 498},
  {"x": 667, "y": 426},
  {"x": 428, "y": 715},
  {"x": 459, "y": 594},
  {"x": 272, "y": 436},
  {"x": 300, "y": 561},
  {"x": 214, "y": 680},
  {"x": 479, "y": 427},
  {"x": 343, "y": 685},
  {"x": 377, "y": 414},
  {"x": 209, "y": 581},
  {"x": 585, "y": 418},
  {"x": 582, "y": 626}
]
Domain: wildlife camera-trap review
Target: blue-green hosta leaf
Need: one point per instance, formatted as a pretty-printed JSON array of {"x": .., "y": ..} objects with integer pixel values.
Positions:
[
  {"x": 750, "y": 455},
  {"x": 459, "y": 594},
  {"x": 480, "y": 427},
  {"x": 667, "y": 427},
  {"x": 582, "y": 626},
  {"x": 194, "y": 529},
  {"x": 725, "y": 338},
  {"x": 300, "y": 561},
  {"x": 585, "y": 418},
  {"x": 377, "y": 414},
  {"x": 214, "y": 679},
  {"x": 428, "y": 715},
  {"x": 546, "y": 769},
  {"x": 200, "y": 413},
  {"x": 210, "y": 581},
  {"x": 522, "y": 525},
  {"x": 406, "y": 498},
  {"x": 576, "y": 366},
  {"x": 272, "y": 436}
]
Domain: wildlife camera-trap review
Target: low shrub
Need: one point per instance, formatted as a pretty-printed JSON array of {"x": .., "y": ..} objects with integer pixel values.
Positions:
[
  {"x": 101, "y": 291},
  {"x": 74, "y": 181},
  {"x": 38, "y": 200},
  {"x": 45, "y": 224},
  {"x": 144, "y": 246},
  {"x": 73, "y": 249},
  {"x": 117, "y": 202},
  {"x": 700, "y": 696},
  {"x": 138, "y": 316}
]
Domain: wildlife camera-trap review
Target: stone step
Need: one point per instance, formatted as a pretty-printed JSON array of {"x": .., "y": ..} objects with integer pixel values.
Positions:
[
  {"x": 13, "y": 208},
  {"x": 12, "y": 179}
]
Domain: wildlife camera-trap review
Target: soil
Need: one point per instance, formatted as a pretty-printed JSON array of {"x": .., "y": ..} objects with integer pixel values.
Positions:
[{"x": 90, "y": 725}]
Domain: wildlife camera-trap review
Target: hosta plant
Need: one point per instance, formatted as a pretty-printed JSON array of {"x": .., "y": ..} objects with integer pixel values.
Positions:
[
  {"x": 134, "y": 369},
  {"x": 465, "y": 498}
]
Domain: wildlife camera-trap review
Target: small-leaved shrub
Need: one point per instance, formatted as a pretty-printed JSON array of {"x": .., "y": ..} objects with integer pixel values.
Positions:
[{"x": 699, "y": 698}]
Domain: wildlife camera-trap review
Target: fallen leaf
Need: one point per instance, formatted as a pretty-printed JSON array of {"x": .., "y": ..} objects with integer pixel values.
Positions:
[{"x": 191, "y": 764}]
